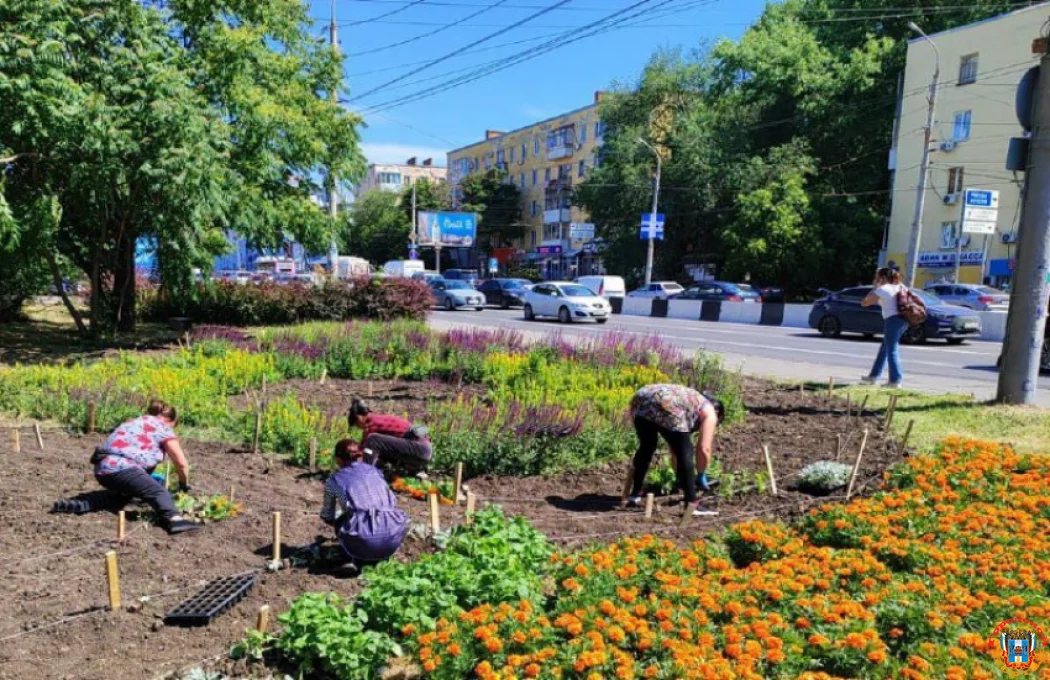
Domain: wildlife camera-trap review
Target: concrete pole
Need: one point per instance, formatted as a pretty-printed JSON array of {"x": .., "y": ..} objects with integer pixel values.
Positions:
[
  {"x": 915, "y": 241},
  {"x": 1026, "y": 321},
  {"x": 656, "y": 200},
  {"x": 415, "y": 222},
  {"x": 958, "y": 252},
  {"x": 333, "y": 198}
]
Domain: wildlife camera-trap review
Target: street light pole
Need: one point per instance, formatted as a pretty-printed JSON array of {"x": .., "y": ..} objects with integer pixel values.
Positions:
[
  {"x": 331, "y": 185},
  {"x": 915, "y": 241},
  {"x": 656, "y": 199}
]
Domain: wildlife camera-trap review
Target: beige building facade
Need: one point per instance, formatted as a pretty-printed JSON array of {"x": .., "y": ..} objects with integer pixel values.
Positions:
[
  {"x": 395, "y": 177},
  {"x": 545, "y": 160},
  {"x": 981, "y": 66}
]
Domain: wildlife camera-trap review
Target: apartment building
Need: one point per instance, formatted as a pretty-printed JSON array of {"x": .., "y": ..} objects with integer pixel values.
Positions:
[
  {"x": 981, "y": 66},
  {"x": 395, "y": 177},
  {"x": 545, "y": 159}
]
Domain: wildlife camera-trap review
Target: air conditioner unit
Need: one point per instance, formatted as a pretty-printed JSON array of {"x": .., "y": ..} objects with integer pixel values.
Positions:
[
  {"x": 951, "y": 199},
  {"x": 949, "y": 146},
  {"x": 1010, "y": 237}
]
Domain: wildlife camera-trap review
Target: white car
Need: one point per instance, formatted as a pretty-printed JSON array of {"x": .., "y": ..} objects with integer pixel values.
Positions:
[
  {"x": 456, "y": 295},
  {"x": 657, "y": 290},
  {"x": 567, "y": 301},
  {"x": 607, "y": 287}
]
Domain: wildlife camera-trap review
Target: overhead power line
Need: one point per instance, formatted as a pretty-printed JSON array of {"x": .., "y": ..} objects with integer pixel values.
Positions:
[
  {"x": 440, "y": 29},
  {"x": 460, "y": 50},
  {"x": 380, "y": 17}
]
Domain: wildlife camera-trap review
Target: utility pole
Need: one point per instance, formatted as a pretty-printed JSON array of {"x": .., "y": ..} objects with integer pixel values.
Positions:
[
  {"x": 656, "y": 200},
  {"x": 333, "y": 198},
  {"x": 1026, "y": 320},
  {"x": 415, "y": 223},
  {"x": 915, "y": 242}
]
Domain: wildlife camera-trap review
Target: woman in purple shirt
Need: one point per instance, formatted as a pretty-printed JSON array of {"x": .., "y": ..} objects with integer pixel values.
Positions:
[{"x": 124, "y": 462}]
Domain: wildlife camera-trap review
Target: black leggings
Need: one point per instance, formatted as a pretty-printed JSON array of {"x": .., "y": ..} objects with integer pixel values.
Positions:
[
  {"x": 681, "y": 445},
  {"x": 136, "y": 483},
  {"x": 408, "y": 454}
]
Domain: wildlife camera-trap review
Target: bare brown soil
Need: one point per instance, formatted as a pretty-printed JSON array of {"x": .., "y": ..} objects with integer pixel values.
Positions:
[{"x": 52, "y": 565}]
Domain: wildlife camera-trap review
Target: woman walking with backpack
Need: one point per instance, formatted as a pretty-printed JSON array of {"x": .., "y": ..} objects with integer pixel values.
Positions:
[{"x": 885, "y": 294}]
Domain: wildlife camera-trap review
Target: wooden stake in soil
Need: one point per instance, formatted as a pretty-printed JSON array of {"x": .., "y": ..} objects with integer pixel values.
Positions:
[
  {"x": 856, "y": 465},
  {"x": 258, "y": 432},
  {"x": 649, "y": 499},
  {"x": 313, "y": 454},
  {"x": 831, "y": 387},
  {"x": 769, "y": 469},
  {"x": 324, "y": 375},
  {"x": 231, "y": 493},
  {"x": 627, "y": 484},
  {"x": 863, "y": 406},
  {"x": 262, "y": 624},
  {"x": 435, "y": 519},
  {"x": 891, "y": 409},
  {"x": 91, "y": 417},
  {"x": 277, "y": 538},
  {"x": 121, "y": 524},
  {"x": 849, "y": 405},
  {"x": 471, "y": 500},
  {"x": 458, "y": 488},
  {"x": 371, "y": 390},
  {"x": 907, "y": 435},
  {"x": 113, "y": 580},
  {"x": 16, "y": 437},
  {"x": 39, "y": 437}
]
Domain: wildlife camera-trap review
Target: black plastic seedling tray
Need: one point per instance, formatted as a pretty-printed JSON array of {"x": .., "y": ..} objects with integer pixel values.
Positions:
[{"x": 212, "y": 600}]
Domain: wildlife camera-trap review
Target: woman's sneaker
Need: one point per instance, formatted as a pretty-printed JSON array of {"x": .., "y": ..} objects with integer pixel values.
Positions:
[
  {"x": 895, "y": 385},
  {"x": 178, "y": 525},
  {"x": 634, "y": 501},
  {"x": 867, "y": 380}
]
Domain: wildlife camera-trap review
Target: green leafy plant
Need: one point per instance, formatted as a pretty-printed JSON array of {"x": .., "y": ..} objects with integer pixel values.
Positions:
[
  {"x": 212, "y": 509},
  {"x": 823, "y": 477}
]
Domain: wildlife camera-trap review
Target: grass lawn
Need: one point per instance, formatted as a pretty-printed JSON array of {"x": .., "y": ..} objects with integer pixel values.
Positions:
[{"x": 936, "y": 417}]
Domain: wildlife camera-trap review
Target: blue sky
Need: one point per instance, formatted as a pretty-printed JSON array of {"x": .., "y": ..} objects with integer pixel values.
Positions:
[{"x": 557, "y": 81}]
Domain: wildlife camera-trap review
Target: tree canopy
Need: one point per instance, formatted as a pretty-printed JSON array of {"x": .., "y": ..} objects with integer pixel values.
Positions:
[
  {"x": 164, "y": 121},
  {"x": 377, "y": 227},
  {"x": 498, "y": 204}
]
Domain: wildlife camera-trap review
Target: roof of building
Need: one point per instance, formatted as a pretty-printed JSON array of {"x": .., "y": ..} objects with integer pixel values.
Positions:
[
  {"x": 997, "y": 17},
  {"x": 526, "y": 127}
]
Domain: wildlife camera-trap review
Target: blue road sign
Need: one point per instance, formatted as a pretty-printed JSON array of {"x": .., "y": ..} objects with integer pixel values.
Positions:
[
  {"x": 652, "y": 224},
  {"x": 979, "y": 198}
]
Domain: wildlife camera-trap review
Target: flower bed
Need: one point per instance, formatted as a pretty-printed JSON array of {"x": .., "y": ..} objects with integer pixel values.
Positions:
[{"x": 909, "y": 583}]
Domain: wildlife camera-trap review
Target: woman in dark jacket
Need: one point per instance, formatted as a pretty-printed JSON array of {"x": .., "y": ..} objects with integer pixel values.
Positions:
[{"x": 362, "y": 508}]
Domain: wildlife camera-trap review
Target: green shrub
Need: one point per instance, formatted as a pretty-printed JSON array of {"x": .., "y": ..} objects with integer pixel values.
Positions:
[{"x": 823, "y": 477}]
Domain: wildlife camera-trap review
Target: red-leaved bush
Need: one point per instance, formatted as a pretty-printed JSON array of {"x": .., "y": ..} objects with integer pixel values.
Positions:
[{"x": 259, "y": 304}]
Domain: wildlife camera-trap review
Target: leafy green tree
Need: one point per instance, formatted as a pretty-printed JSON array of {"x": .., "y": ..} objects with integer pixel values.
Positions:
[
  {"x": 498, "y": 204},
  {"x": 172, "y": 121},
  {"x": 377, "y": 228},
  {"x": 430, "y": 196}
]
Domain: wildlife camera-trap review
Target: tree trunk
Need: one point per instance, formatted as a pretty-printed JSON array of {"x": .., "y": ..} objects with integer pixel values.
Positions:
[
  {"x": 124, "y": 283},
  {"x": 56, "y": 276}
]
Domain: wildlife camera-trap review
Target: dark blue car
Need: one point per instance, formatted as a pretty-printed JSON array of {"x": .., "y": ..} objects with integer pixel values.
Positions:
[{"x": 841, "y": 312}]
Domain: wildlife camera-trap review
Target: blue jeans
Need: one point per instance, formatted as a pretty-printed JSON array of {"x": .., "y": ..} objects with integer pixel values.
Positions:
[{"x": 893, "y": 330}]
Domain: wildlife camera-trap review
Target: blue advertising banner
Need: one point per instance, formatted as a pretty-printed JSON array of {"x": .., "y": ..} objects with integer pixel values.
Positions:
[{"x": 454, "y": 229}]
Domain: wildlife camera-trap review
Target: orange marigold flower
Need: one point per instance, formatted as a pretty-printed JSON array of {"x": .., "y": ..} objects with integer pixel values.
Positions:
[
  {"x": 454, "y": 649},
  {"x": 532, "y": 670},
  {"x": 876, "y": 656}
]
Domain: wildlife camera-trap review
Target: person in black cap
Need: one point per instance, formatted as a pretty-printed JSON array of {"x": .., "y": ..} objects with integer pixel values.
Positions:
[{"x": 391, "y": 439}]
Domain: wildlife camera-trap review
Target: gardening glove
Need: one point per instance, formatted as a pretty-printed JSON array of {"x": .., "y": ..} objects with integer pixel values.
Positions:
[{"x": 183, "y": 487}]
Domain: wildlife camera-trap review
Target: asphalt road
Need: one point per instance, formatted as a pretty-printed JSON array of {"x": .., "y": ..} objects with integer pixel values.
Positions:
[{"x": 777, "y": 352}]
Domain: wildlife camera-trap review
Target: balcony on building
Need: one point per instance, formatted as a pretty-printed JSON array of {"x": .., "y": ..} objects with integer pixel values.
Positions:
[{"x": 561, "y": 142}]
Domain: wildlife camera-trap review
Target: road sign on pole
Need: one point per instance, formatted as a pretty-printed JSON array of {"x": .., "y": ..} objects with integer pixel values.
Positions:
[
  {"x": 980, "y": 211},
  {"x": 652, "y": 224}
]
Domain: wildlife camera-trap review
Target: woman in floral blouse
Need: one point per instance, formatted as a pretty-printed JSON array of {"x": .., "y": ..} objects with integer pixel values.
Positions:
[
  {"x": 124, "y": 462},
  {"x": 674, "y": 412}
]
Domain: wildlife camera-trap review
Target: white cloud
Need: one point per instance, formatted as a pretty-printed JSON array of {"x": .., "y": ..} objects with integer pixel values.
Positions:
[{"x": 399, "y": 153}]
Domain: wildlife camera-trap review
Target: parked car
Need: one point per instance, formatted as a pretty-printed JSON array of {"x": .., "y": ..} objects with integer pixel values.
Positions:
[
  {"x": 456, "y": 295},
  {"x": 426, "y": 276},
  {"x": 607, "y": 287},
  {"x": 841, "y": 312},
  {"x": 1044, "y": 358},
  {"x": 719, "y": 291},
  {"x": 981, "y": 298},
  {"x": 468, "y": 275},
  {"x": 771, "y": 293},
  {"x": 658, "y": 290},
  {"x": 567, "y": 301},
  {"x": 506, "y": 293}
]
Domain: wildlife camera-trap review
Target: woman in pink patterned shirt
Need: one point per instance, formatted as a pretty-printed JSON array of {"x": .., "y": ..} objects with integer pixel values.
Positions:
[{"x": 124, "y": 462}]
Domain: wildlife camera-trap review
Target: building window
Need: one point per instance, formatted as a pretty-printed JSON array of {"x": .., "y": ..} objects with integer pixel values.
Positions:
[
  {"x": 533, "y": 235},
  {"x": 390, "y": 178},
  {"x": 583, "y": 169},
  {"x": 499, "y": 157},
  {"x": 968, "y": 69},
  {"x": 477, "y": 163},
  {"x": 522, "y": 180},
  {"x": 524, "y": 151},
  {"x": 948, "y": 234},
  {"x": 535, "y": 177},
  {"x": 546, "y": 175},
  {"x": 565, "y": 171},
  {"x": 961, "y": 129},
  {"x": 596, "y": 161},
  {"x": 599, "y": 130},
  {"x": 511, "y": 158},
  {"x": 534, "y": 214},
  {"x": 562, "y": 137},
  {"x": 536, "y": 145},
  {"x": 955, "y": 180}
]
